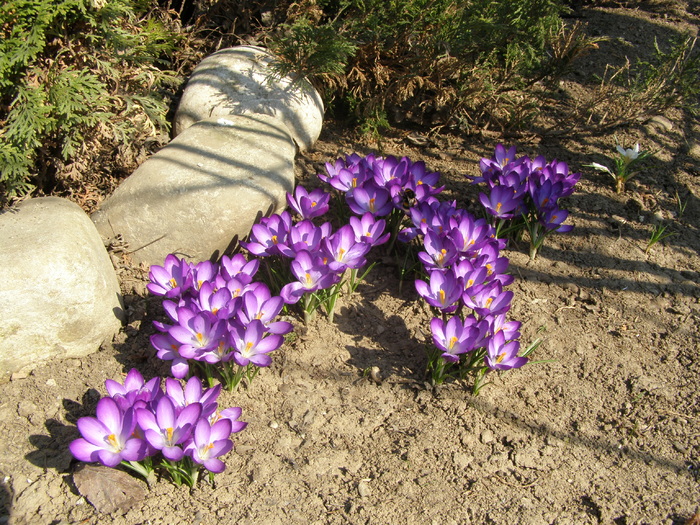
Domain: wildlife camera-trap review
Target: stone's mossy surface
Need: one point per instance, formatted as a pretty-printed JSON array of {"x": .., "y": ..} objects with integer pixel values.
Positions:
[
  {"x": 60, "y": 295},
  {"x": 238, "y": 81},
  {"x": 202, "y": 191}
]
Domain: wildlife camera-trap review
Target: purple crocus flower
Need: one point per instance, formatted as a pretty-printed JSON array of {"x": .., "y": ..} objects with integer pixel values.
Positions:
[
  {"x": 390, "y": 171},
  {"x": 169, "y": 350},
  {"x": 252, "y": 344},
  {"x": 309, "y": 204},
  {"x": 370, "y": 198},
  {"x": 203, "y": 272},
  {"x": 511, "y": 329},
  {"x": 443, "y": 292},
  {"x": 269, "y": 235},
  {"x": 503, "y": 355},
  {"x": 305, "y": 236},
  {"x": 192, "y": 393},
  {"x": 232, "y": 414},
  {"x": 134, "y": 392},
  {"x": 312, "y": 274},
  {"x": 489, "y": 300},
  {"x": 217, "y": 302},
  {"x": 469, "y": 233},
  {"x": 197, "y": 332},
  {"x": 553, "y": 219},
  {"x": 172, "y": 279},
  {"x": 501, "y": 203},
  {"x": 108, "y": 438},
  {"x": 368, "y": 229},
  {"x": 347, "y": 178},
  {"x": 440, "y": 252},
  {"x": 237, "y": 266},
  {"x": 473, "y": 277},
  {"x": 262, "y": 306},
  {"x": 457, "y": 337},
  {"x": 166, "y": 430},
  {"x": 344, "y": 251},
  {"x": 209, "y": 442},
  {"x": 492, "y": 168}
]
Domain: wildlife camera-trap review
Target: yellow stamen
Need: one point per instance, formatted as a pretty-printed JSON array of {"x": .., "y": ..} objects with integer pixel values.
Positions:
[
  {"x": 274, "y": 239},
  {"x": 169, "y": 433},
  {"x": 453, "y": 340},
  {"x": 500, "y": 357},
  {"x": 498, "y": 206},
  {"x": 199, "y": 337},
  {"x": 112, "y": 440},
  {"x": 442, "y": 296},
  {"x": 173, "y": 283},
  {"x": 371, "y": 204}
]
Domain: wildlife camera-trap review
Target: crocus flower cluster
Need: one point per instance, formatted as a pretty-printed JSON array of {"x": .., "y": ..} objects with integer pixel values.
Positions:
[
  {"x": 138, "y": 421},
  {"x": 466, "y": 280},
  {"x": 460, "y": 255},
  {"x": 379, "y": 185},
  {"x": 525, "y": 193},
  {"x": 316, "y": 255},
  {"x": 220, "y": 317}
]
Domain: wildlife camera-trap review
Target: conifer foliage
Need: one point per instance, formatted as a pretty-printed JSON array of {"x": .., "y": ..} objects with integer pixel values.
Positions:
[{"x": 72, "y": 70}]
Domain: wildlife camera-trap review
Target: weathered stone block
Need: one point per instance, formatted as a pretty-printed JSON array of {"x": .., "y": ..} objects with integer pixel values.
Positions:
[
  {"x": 202, "y": 192},
  {"x": 240, "y": 81},
  {"x": 59, "y": 296}
]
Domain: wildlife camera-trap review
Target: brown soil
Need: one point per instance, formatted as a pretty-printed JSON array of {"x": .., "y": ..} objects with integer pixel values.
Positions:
[{"x": 605, "y": 430}]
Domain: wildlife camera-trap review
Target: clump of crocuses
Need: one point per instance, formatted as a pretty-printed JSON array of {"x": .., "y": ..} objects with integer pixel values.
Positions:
[
  {"x": 309, "y": 262},
  {"x": 460, "y": 255},
  {"x": 465, "y": 284},
  {"x": 224, "y": 322},
  {"x": 524, "y": 194},
  {"x": 140, "y": 426}
]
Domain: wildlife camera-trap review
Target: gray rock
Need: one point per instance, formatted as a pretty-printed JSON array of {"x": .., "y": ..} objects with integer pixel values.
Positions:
[
  {"x": 59, "y": 295},
  {"x": 203, "y": 191},
  {"x": 240, "y": 81}
]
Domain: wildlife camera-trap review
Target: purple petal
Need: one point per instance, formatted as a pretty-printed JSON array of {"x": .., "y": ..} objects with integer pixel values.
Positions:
[
  {"x": 109, "y": 459},
  {"x": 173, "y": 453},
  {"x": 109, "y": 413},
  {"x": 165, "y": 413},
  {"x": 220, "y": 430},
  {"x": 214, "y": 465},
  {"x": 93, "y": 430},
  {"x": 134, "y": 449},
  {"x": 220, "y": 447},
  {"x": 82, "y": 450},
  {"x": 189, "y": 415}
]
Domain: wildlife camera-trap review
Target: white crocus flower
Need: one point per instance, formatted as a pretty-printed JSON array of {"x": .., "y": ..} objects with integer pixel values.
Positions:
[{"x": 629, "y": 154}]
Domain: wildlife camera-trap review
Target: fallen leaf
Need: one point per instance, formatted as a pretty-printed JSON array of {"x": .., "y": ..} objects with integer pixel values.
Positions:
[{"x": 109, "y": 489}]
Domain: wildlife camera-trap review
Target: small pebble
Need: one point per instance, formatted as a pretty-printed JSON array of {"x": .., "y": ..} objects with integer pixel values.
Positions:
[
  {"x": 487, "y": 436},
  {"x": 363, "y": 489},
  {"x": 274, "y": 424}
]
